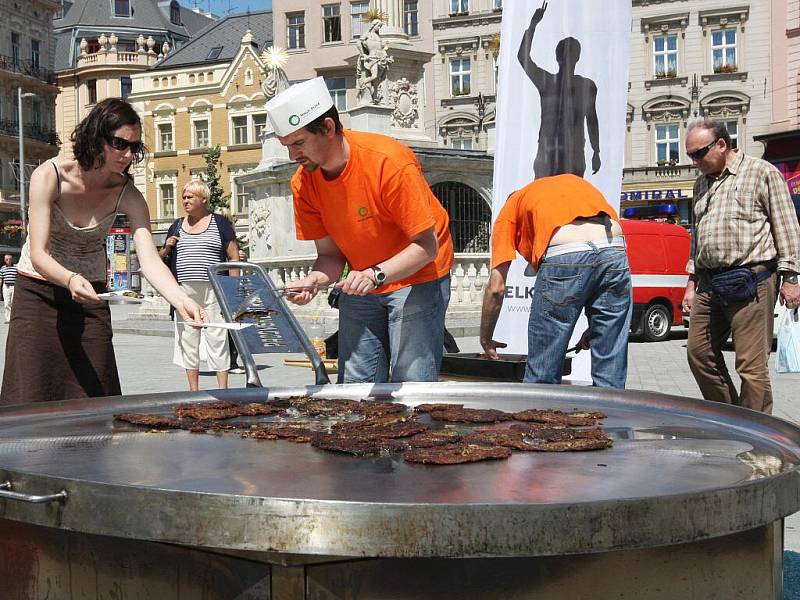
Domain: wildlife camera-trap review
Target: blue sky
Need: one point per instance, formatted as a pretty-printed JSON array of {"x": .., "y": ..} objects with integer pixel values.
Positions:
[{"x": 221, "y": 7}]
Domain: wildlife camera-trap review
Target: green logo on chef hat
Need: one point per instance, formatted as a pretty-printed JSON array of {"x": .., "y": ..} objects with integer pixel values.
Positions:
[{"x": 294, "y": 120}]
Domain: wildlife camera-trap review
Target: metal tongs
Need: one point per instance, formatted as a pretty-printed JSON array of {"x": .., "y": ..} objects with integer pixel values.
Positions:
[{"x": 252, "y": 303}]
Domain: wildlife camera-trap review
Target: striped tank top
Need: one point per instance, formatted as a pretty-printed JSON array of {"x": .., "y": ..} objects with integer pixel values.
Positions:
[{"x": 196, "y": 251}]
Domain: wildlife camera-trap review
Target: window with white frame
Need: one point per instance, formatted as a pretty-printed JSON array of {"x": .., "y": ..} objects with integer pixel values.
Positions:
[
  {"x": 411, "y": 17},
  {"x": 460, "y": 72},
  {"x": 331, "y": 23},
  {"x": 338, "y": 91},
  {"x": 668, "y": 143},
  {"x": 239, "y": 130},
  {"x": 723, "y": 51},
  {"x": 165, "y": 137},
  {"x": 240, "y": 198},
  {"x": 166, "y": 200},
  {"x": 732, "y": 125},
  {"x": 462, "y": 143},
  {"x": 357, "y": 25},
  {"x": 200, "y": 133},
  {"x": 665, "y": 56},
  {"x": 259, "y": 127},
  {"x": 296, "y": 30},
  {"x": 125, "y": 87},
  {"x": 459, "y": 6}
]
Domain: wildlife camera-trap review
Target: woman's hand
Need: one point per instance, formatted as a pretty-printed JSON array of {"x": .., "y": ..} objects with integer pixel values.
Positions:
[
  {"x": 81, "y": 290},
  {"x": 191, "y": 311}
]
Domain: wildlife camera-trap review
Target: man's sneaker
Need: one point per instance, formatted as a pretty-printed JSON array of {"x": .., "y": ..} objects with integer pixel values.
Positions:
[{"x": 237, "y": 370}]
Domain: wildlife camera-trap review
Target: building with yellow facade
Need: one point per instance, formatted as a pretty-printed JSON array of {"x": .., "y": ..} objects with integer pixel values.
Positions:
[
  {"x": 206, "y": 93},
  {"x": 100, "y": 45}
]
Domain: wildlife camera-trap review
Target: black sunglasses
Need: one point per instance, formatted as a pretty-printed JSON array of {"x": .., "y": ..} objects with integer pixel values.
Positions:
[
  {"x": 698, "y": 154},
  {"x": 121, "y": 144}
]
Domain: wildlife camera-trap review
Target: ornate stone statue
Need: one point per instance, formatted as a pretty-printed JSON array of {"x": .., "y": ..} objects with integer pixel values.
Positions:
[
  {"x": 275, "y": 79},
  {"x": 372, "y": 65}
]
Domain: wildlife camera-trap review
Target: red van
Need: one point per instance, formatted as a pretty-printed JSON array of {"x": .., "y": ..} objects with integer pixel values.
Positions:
[{"x": 657, "y": 253}]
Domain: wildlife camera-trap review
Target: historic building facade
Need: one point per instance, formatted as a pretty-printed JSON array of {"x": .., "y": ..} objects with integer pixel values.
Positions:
[
  {"x": 204, "y": 94},
  {"x": 101, "y": 45},
  {"x": 688, "y": 60},
  {"x": 322, "y": 39},
  {"x": 782, "y": 140},
  {"x": 27, "y": 51},
  {"x": 467, "y": 42}
]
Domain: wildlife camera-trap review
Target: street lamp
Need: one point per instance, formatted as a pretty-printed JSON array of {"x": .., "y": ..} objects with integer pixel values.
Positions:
[{"x": 22, "y": 201}]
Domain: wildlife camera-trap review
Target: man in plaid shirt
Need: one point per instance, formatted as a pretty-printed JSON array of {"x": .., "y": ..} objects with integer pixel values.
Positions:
[{"x": 743, "y": 217}]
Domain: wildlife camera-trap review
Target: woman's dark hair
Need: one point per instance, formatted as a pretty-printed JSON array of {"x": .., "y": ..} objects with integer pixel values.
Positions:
[
  {"x": 98, "y": 127},
  {"x": 317, "y": 126}
]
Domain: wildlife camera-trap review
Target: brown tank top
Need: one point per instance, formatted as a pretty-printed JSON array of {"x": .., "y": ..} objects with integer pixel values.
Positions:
[{"x": 79, "y": 249}]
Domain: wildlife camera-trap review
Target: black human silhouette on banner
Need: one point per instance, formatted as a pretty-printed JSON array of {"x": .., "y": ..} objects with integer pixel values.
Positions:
[{"x": 567, "y": 101}]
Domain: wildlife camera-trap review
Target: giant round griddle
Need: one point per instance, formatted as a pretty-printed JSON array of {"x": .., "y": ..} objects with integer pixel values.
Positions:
[{"x": 680, "y": 470}]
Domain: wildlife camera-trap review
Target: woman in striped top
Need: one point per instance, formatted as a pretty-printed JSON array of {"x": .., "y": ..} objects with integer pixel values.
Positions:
[{"x": 193, "y": 243}]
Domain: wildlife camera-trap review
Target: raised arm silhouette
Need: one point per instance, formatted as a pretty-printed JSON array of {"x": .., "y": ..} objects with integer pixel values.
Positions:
[{"x": 567, "y": 100}]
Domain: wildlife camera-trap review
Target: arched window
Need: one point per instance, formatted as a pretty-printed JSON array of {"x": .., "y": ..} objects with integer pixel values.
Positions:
[{"x": 470, "y": 216}]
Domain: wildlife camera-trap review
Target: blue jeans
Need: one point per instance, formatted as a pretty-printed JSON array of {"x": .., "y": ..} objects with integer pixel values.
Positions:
[
  {"x": 598, "y": 281},
  {"x": 401, "y": 333}
]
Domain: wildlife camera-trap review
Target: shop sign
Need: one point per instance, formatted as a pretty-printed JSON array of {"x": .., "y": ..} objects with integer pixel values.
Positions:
[{"x": 657, "y": 195}]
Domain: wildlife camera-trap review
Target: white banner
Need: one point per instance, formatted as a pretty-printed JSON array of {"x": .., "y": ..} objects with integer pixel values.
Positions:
[{"x": 549, "y": 120}]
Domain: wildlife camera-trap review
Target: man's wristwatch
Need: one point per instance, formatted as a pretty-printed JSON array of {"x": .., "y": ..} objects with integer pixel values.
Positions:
[
  {"x": 790, "y": 278},
  {"x": 380, "y": 276}
]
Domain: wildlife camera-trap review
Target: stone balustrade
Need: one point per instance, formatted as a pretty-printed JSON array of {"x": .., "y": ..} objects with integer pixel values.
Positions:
[{"x": 469, "y": 275}]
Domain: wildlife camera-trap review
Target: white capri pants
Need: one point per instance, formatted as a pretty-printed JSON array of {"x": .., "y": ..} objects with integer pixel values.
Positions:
[{"x": 187, "y": 338}]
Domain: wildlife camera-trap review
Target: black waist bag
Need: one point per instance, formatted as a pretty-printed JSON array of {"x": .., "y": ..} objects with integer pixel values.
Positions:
[{"x": 738, "y": 285}]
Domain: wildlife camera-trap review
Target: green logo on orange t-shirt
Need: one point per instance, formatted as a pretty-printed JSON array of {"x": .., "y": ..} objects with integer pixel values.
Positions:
[{"x": 363, "y": 213}]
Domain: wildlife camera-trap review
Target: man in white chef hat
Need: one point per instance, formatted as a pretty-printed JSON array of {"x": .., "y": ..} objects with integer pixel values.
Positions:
[{"x": 363, "y": 199}]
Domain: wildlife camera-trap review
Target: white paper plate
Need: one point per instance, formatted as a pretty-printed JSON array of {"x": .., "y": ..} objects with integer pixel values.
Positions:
[
  {"x": 219, "y": 325},
  {"x": 119, "y": 297}
]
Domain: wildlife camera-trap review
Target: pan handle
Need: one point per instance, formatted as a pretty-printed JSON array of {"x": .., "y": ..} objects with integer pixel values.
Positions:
[{"x": 5, "y": 492}]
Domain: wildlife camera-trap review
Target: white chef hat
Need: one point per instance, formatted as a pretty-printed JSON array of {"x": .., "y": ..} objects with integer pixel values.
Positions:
[{"x": 298, "y": 105}]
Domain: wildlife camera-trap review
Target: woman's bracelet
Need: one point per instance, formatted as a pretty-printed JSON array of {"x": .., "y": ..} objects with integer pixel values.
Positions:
[{"x": 70, "y": 278}]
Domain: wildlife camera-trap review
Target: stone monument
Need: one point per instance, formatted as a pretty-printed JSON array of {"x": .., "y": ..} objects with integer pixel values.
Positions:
[
  {"x": 274, "y": 59},
  {"x": 372, "y": 68}
]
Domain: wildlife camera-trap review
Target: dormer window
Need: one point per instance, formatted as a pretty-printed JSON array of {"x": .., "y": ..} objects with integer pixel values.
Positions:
[
  {"x": 214, "y": 53},
  {"x": 175, "y": 13},
  {"x": 122, "y": 8}
]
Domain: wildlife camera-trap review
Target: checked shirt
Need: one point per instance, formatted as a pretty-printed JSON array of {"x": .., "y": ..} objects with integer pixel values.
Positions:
[{"x": 744, "y": 216}]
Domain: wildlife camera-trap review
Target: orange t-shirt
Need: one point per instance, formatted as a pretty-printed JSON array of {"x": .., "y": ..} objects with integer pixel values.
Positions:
[
  {"x": 532, "y": 215},
  {"x": 373, "y": 209}
]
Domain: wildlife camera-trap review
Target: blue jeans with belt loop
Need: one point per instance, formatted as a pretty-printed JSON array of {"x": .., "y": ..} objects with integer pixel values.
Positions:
[
  {"x": 597, "y": 280},
  {"x": 401, "y": 333}
]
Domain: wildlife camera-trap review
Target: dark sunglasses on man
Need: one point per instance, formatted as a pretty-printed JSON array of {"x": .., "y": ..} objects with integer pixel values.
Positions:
[
  {"x": 698, "y": 154},
  {"x": 122, "y": 144}
]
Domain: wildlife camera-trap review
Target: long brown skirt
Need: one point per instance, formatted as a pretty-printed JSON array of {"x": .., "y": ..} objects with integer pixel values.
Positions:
[{"x": 57, "y": 349}]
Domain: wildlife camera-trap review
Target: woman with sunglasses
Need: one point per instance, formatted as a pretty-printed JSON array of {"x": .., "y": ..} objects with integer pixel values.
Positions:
[{"x": 59, "y": 340}]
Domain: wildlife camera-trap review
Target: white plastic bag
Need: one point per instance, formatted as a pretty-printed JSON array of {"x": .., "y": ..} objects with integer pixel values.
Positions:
[{"x": 788, "y": 356}]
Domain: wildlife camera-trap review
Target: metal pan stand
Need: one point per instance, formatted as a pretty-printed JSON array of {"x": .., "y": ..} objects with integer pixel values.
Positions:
[{"x": 277, "y": 330}]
